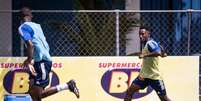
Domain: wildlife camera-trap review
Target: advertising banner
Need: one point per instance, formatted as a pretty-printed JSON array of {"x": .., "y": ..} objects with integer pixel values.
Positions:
[{"x": 105, "y": 78}]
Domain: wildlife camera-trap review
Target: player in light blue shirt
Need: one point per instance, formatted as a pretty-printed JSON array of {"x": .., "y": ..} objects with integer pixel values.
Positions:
[{"x": 38, "y": 49}]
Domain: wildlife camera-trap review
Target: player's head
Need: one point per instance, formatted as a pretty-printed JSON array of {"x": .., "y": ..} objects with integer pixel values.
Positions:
[
  {"x": 25, "y": 12},
  {"x": 144, "y": 33}
]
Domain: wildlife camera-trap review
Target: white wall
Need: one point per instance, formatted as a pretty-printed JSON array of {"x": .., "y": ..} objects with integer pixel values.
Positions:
[{"x": 5, "y": 28}]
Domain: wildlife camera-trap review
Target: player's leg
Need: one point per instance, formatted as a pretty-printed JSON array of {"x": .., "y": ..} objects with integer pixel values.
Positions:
[
  {"x": 138, "y": 83},
  {"x": 41, "y": 80},
  {"x": 159, "y": 87},
  {"x": 71, "y": 85},
  {"x": 48, "y": 92},
  {"x": 35, "y": 93},
  {"x": 130, "y": 91},
  {"x": 164, "y": 98}
]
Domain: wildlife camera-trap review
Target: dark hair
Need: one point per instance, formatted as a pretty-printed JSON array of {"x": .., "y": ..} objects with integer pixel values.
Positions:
[
  {"x": 145, "y": 27},
  {"x": 24, "y": 11}
]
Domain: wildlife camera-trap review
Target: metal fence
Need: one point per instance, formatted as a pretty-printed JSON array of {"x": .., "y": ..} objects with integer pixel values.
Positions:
[{"x": 104, "y": 33}]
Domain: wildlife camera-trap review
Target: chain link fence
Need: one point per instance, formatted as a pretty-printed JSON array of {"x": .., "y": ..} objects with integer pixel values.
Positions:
[
  {"x": 102, "y": 33},
  {"x": 76, "y": 33}
]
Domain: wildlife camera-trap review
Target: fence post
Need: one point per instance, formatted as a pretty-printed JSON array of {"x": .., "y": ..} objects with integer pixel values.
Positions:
[
  {"x": 21, "y": 47},
  {"x": 117, "y": 31},
  {"x": 189, "y": 29}
]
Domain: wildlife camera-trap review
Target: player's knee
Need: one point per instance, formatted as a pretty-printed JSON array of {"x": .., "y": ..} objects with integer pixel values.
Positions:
[
  {"x": 129, "y": 91},
  {"x": 164, "y": 98},
  {"x": 132, "y": 89},
  {"x": 167, "y": 99},
  {"x": 36, "y": 96}
]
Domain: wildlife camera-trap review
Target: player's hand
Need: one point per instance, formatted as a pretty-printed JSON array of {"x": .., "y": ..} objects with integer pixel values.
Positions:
[
  {"x": 31, "y": 68},
  {"x": 141, "y": 56},
  {"x": 164, "y": 55},
  {"x": 28, "y": 64}
]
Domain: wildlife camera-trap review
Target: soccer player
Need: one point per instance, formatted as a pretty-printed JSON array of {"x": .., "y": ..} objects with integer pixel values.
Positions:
[
  {"x": 149, "y": 74},
  {"x": 38, "y": 49}
]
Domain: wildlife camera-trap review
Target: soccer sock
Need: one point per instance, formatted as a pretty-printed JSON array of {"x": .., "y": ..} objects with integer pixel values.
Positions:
[{"x": 62, "y": 87}]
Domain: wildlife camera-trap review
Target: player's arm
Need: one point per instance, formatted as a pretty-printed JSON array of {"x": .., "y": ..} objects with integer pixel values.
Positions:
[
  {"x": 26, "y": 33},
  {"x": 155, "y": 50},
  {"x": 152, "y": 54},
  {"x": 163, "y": 53},
  {"x": 27, "y": 62},
  {"x": 29, "y": 51},
  {"x": 135, "y": 54}
]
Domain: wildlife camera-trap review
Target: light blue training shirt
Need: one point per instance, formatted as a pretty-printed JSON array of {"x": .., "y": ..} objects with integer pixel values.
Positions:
[{"x": 33, "y": 31}]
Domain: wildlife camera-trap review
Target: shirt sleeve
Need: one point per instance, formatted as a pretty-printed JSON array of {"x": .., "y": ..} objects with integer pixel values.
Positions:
[
  {"x": 153, "y": 46},
  {"x": 26, "y": 32}
]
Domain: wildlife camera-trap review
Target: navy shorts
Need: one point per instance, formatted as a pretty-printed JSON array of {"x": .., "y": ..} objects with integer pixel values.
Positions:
[
  {"x": 42, "y": 69},
  {"x": 157, "y": 85}
]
